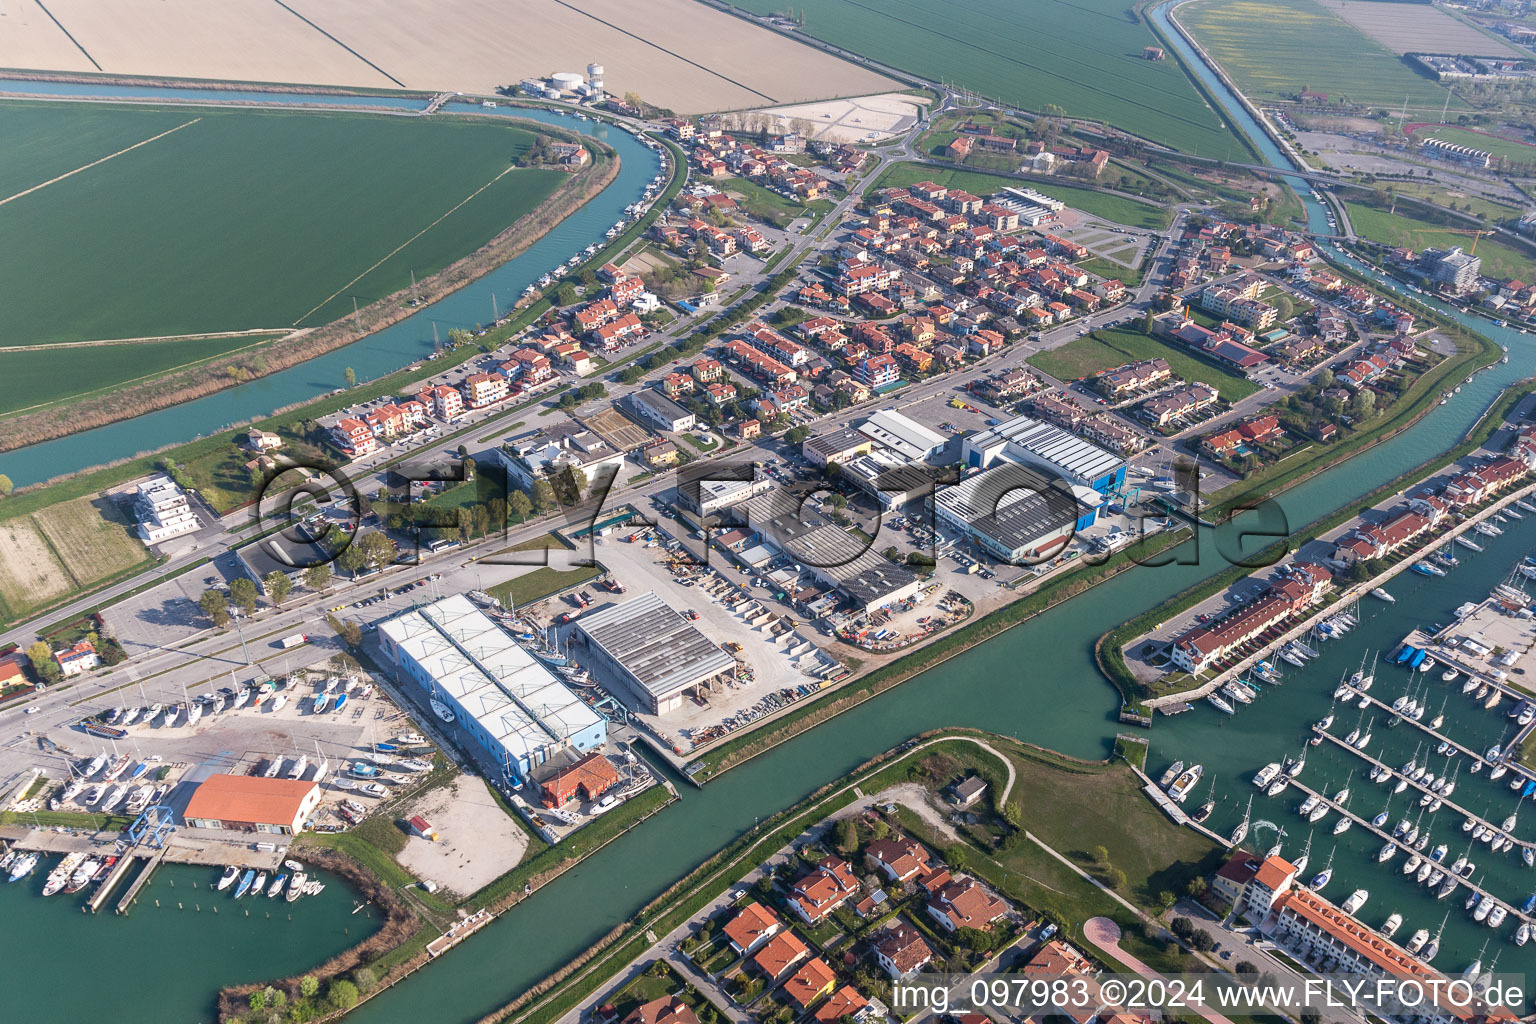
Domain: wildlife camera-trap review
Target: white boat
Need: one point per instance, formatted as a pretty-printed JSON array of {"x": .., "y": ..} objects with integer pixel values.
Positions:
[
  {"x": 1387, "y": 852},
  {"x": 1266, "y": 774},
  {"x": 1173, "y": 773},
  {"x": 1239, "y": 693},
  {"x": 1219, "y": 704},
  {"x": 1355, "y": 901},
  {"x": 296, "y": 882},
  {"x": 1344, "y": 824},
  {"x": 1412, "y": 864},
  {"x": 259, "y": 885},
  {"x": 1181, "y": 787},
  {"x": 1417, "y": 940},
  {"x": 444, "y": 712},
  {"x": 1377, "y": 592},
  {"x": 1391, "y": 925}
]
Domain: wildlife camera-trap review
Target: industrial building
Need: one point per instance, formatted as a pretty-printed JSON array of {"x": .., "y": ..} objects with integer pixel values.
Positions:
[
  {"x": 512, "y": 705},
  {"x": 1015, "y": 513},
  {"x": 655, "y": 655},
  {"x": 249, "y": 803},
  {"x": 1030, "y": 442},
  {"x": 866, "y": 580},
  {"x": 903, "y": 436}
]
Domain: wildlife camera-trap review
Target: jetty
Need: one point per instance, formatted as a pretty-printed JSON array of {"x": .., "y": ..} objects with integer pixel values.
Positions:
[
  {"x": 151, "y": 863},
  {"x": 1445, "y": 802},
  {"x": 1514, "y": 911}
]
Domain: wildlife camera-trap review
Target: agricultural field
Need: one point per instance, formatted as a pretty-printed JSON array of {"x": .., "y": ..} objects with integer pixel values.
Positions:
[
  {"x": 1117, "y": 209},
  {"x": 1274, "y": 49},
  {"x": 1085, "y": 57},
  {"x": 1497, "y": 145},
  {"x": 263, "y": 220},
  {"x": 676, "y": 54},
  {"x": 43, "y": 376},
  {"x": 1419, "y": 28},
  {"x": 1107, "y": 348},
  {"x": 1500, "y": 260},
  {"x": 61, "y": 549}
]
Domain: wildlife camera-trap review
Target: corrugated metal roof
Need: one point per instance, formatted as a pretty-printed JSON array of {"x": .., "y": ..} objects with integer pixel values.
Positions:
[{"x": 662, "y": 651}]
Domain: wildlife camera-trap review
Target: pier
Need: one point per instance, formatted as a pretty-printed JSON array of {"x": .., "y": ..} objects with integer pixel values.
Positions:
[
  {"x": 1437, "y": 736},
  {"x": 1420, "y": 788},
  {"x": 150, "y": 864},
  {"x": 459, "y": 931},
  {"x": 105, "y": 887},
  {"x": 1514, "y": 911}
]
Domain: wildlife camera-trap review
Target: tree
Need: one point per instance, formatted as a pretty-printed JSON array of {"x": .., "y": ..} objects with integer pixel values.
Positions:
[
  {"x": 1147, "y": 322},
  {"x": 1012, "y": 814},
  {"x": 1196, "y": 887},
  {"x": 258, "y": 1000},
  {"x": 243, "y": 593},
  {"x": 543, "y": 495},
  {"x": 341, "y": 994},
  {"x": 519, "y": 505},
  {"x": 955, "y": 856},
  {"x": 308, "y": 986},
  {"x": 279, "y": 586},
  {"x": 318, "y": 577},
  {"x": 1166, "y": 899},
  {"x": 797, "y": 435},
  {"x": 1244, "y": 967},
  {"x": 632, "y": 99},
  {"x": 351, "y": 377},
  {"x": 41, "y": 657},
  {"x": 1310, "y": 1015},
  {"x": 1182, "y": 927},
  {"x": 1285, "y": 309},
  {"x": 352, "y": 558},
  {"x": 847, "y": 837},
  {"x": 6, "y": 487},
  {"x": 215, "y": 604},
  {"x": 1202, "y": 941},
  {"x": 1101, "y": 855}
]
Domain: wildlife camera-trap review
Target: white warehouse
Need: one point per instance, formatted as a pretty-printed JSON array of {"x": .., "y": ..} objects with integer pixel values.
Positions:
[{"x": 513, "y": 706}]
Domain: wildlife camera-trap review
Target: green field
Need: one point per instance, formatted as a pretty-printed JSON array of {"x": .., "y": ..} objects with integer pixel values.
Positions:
[
  {"x": 242, "y": 219},
  {"x": 1500, "y": 260},
  {"x": 1083, "y": 56},
  {"x": 1508, "y": 149},
  {"x": 41, "y": 376},
  {"x": 1114, "y": 208},
  {"x": 1274, "y": 49},
  {"x": 1110, "y": 347}
]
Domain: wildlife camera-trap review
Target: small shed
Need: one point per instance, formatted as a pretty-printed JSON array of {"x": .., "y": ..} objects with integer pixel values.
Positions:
[
  {"x": 422, "y": 827},
  {"x": 968, "y": 790}
]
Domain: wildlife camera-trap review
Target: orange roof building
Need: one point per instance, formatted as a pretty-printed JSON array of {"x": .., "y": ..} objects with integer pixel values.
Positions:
[
  {"x": 592, "y": 776},
  {"x": 845, "y": 1002},
  {"x": 666, "y": 1010},
  {"x": 780, "y": 953},
  {"x": 810, "y": 983},
  {"x": 248, "y": 803},
  {"x": 752, "y": 927}
]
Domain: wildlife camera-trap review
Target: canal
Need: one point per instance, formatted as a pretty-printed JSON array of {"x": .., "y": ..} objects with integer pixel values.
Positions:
[
  {"x": 1037, "y": 682},
  {"x": 377, "y": 354}
]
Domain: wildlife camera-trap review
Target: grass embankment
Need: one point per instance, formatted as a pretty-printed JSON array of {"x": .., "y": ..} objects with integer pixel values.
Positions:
[
  {"x": 524, "y": 590},
  {"x": 1110, "y": 347},
  {"x": 1055, "y": 590},
  {"x": 1119, "y": 209},
  {"x": 1109, "y": 647}
]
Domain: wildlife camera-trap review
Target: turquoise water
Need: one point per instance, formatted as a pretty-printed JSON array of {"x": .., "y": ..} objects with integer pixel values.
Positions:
[{"x": 165, "y": 963}]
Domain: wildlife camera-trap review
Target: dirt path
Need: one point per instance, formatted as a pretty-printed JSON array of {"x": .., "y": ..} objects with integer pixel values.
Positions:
[{"x": 93, "y": 163}]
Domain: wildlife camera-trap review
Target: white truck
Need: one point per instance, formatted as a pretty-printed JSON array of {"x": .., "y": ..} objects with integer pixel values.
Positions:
[{"x": 293, "y": 641}]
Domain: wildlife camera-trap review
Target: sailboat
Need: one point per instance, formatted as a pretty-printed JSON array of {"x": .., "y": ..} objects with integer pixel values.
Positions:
[
  {"x": 1324, "y": 876},
  {"x": 1241, "y": 831},
  {"x": 245, "y": 882},
  {"x": 1433, "y": 949},
  {"x": 1204, "y": 810},
  {"x": 1300, "y": 863},
  {"x": 1381, "y": 819}
]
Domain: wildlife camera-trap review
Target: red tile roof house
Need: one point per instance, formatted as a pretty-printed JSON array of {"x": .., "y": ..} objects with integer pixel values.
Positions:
[
  {"x": 845, "y": 1002},
  {"x": 666, "y": 1010},
  {"x": 779, "y": 954},
  {"x": 901, "y": 951},
  {"x": 823, "y": 890},
  {"x": 899, "y": 858},
  {"x": 810, "y": 983},
  {"x": 751, "y": 927},
  {"x": 965, "y": 903}
]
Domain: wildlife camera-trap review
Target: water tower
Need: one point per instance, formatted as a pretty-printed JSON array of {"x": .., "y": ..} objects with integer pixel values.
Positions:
[{"x": 595, "y": 79}]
